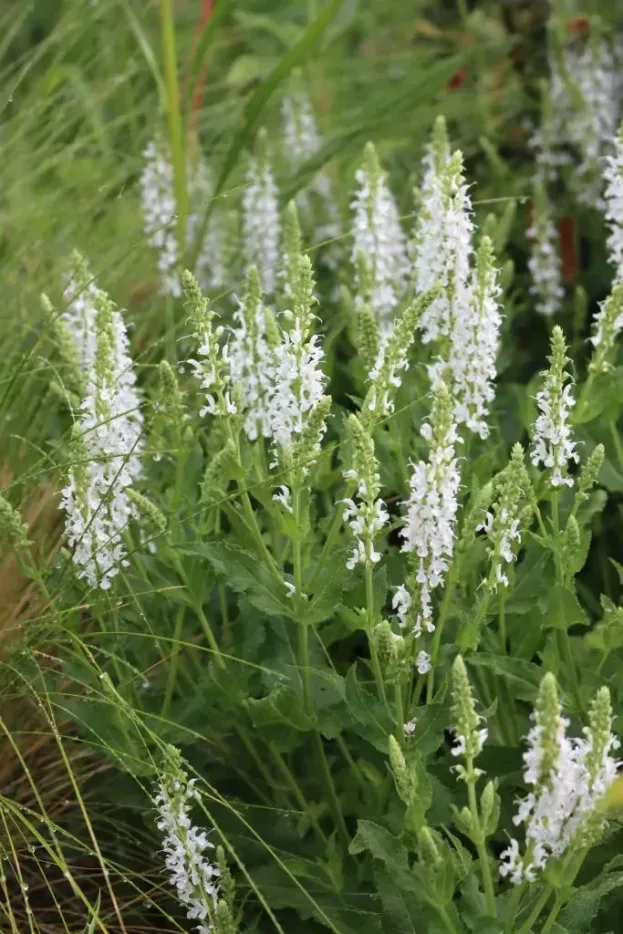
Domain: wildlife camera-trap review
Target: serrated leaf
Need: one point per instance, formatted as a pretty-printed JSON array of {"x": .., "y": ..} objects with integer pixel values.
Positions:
[
  {"x": 523, "y": 677},
  {"x": 244, "y": 573},
  {"x": 371, "y": 719},
  {"x": 577, "y": 916},
  {"x": 327, "y": 595},
  {"x": 282, "y": 707},
  {"x": 563, "y": 609},
  {"x": 381, "y": 844},
  {"x": 395, "y": 910}
]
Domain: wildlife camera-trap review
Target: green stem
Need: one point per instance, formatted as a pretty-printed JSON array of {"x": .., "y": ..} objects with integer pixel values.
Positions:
[
  {"x": 400, "y": 716},
  {"x": 443, "y": 613},
  {"x": 536, "y": 911},
  {"x": 330, "y": 788},
  {"x": 564, "y": 644},
  {"x": 298, "y": 794},
  {"x": 376, "y": 666},
  {"x": 483, "y": 856},
  {"x": 558, "y": 903},
  {"x": 513, "y": 907},
  {"x": 167, "y": 21}
]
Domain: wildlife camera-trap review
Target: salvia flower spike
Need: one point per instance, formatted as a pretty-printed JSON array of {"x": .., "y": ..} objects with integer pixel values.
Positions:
[
  {"x": 366, "y": 515},
  {"x": 191, "y": 873},
  {"x": 378, "y": 236},
  {"x": 502, "y": 522},
  {"x": 212, "y": 366},
  {"x": 261, "y": 227},
  {"x": 469, "y": 736},
  {"x": 568, "y": 777},
  {"x": 474, "y": 344},
  {"x": 251, "y": 352},
  {"x": 107, "y": 448},
  {"x": 443, "y": 238},
  {"x": 613, "y": 196},
  {"x": 430, "y": 521},
  {"x": 552, "y": 438},
  {"x": 545, "y": 263},
  {"x": 607, "y": 325},
  {"x": 159, "y": 216}
]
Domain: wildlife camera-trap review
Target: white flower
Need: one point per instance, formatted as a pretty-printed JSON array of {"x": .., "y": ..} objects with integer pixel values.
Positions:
[
  {"x": 159, "y": 214},
  {"x": 568, "y": 778},
  {"x": 607, "y": 325},
  {"x": 409, "y": 727},
  {"x": 108, "y": 449},
  {"x": 366, "y": 519},
  {"x": 431, "y": 510},
  {"x": 378, "y": 238},
  {"x": 442, "y": 247},
  {"x": 191, "y": 873},
  {"x": 251, "y": 360},
  {"x": 613, "y": 176},
  {"x": 297, "y": 386},
  {"x": 474, "y": 342},
  {"x": 401, "y": 602},
  {"x": 284, "y": 497},
  {"x": 300, "y": 131},
  {"x": 552, "y": 436},
  {"x": 261, "y": 229},
  {"x": 582, "y": 112},
  {"x": 81, "y": 294},
  {"x": 423, "y": 663},
  {"x": 545, "y": 264}
]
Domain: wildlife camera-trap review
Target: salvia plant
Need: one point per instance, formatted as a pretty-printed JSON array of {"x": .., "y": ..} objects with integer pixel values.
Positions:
[{"x": 311, "y": 478}]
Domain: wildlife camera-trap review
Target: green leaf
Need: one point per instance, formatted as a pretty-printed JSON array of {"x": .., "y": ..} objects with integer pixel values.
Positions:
[
  {"x": 395, "y": 910},
  {"x": 522, "y": 677},
  {"x": 372, "y": 720},
  {"x": 563, "y": 609},
  {"x": 282, "y": 707},
  {"x": 334, "y": 582},
  {"x": 381, "y": 844},
  {"x": 245, "y": 574},
  {"x": 577, "y": 916},
  {"x": 429, "y": 732}
]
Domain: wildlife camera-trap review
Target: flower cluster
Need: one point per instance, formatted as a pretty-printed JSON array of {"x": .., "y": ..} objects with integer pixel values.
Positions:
[
  {"x": 212, "y": 367},
  {"x": 378, "y": 238},
  {"x": 552, "y": 437},
  {"x": 613, "y": 197},
  {"x": 81, "y": 294},
  {"x": 260, "y": 217},
  {"x": 469, "y": 736},
  {"x": 502, "y": 522},
  {"x": 545, "y": 264},
  {"x": 159, "y": 216},
  {"x": 582, "y": 112},
  {"x": 442, "y": 245},
  {"x": 474, "y": 345},
  {"x": 393, "y": 357},
  {"x": 431, "y": 511},
  {"x": 296, "y": 400},
  {"x": 192, "y": 875},
  {"x": 367, "y": 516},
  {"x": 212, "y": 263},
  {"x": 568, "y": 778},
  {"x": 107, "y": 454},
  {"x": 607, "y": 325},
  {"x": 251, "y": 363}
]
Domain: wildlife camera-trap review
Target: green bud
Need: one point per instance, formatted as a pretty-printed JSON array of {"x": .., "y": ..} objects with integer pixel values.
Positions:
[
  {"x": 405, "y": 780},
  {"x": 227, "y": 886},
  {"x": 147, "y": 512},
  {"x": 547, "y": 717},
  {"x": 489, "y": 809},
  {"x": 600, "y": 731},
  {"x": 590, "y": 470},
  {"x": 12, "y": 526},
  {"x": 465, "y": 821},
  {"x": 223, "y": 919},
  {"x": 306, "y": 448},
  {"x": 465, "y": 720},
  {"x": 572, "y": 538},
  {"x": 507, "y": 274},
  {"x": 368, "y": 337},
  {"x": 504, "y": 226},
  {"x": 215, "y": 477},
  {"x": 73, "y": 387},
  {"x": 429, "y": 851}
]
